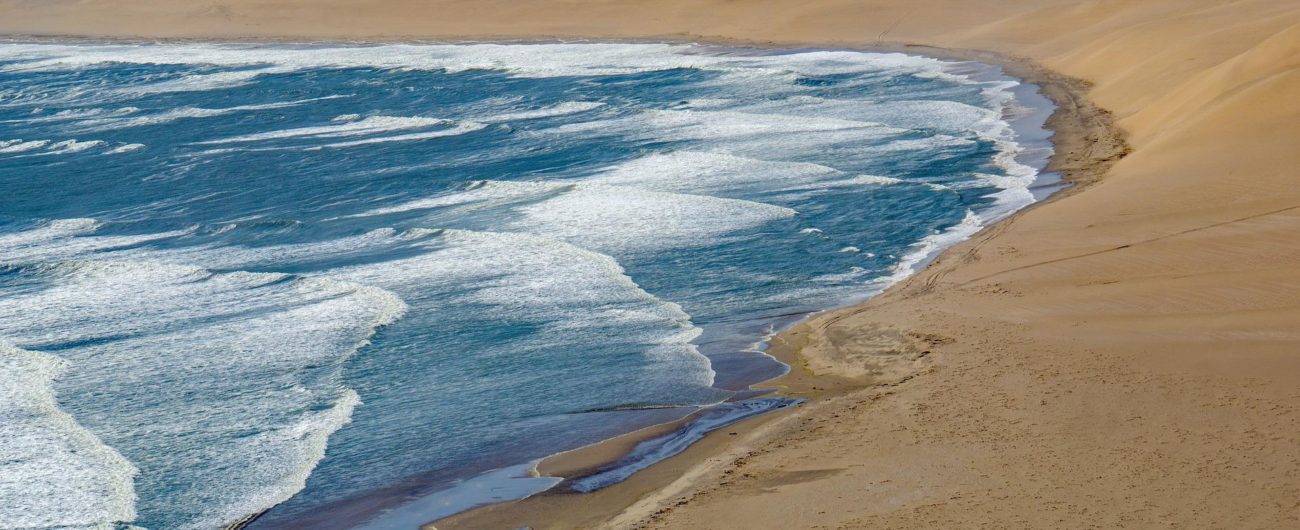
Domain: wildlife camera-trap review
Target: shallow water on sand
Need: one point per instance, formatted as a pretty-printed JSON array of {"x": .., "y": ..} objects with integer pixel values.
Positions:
[{"x": 320, "y": 280}]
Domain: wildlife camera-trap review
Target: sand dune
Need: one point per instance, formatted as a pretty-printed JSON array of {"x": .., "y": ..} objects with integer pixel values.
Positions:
[{"x": 1124, "y": 356}]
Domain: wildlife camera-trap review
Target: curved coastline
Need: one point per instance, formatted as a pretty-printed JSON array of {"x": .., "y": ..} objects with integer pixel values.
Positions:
[
  {"x": 987, "y": 76},
  {"x": 1149, "y": 311},
  {"x": 572, "y": 469},
  {"x": 1073, "y": 121}
]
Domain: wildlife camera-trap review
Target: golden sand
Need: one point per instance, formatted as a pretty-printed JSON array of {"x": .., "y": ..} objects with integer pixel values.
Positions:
[{"x": 1124, "y": 356}]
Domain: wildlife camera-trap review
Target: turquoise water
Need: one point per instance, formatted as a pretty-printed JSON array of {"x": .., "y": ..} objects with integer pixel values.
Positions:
[{"x": 326, "y": 282}]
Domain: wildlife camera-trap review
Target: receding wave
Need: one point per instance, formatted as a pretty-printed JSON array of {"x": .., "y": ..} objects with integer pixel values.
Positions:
[
  {"x": 197, "y": 337},
  {"x": 94, "y": 485}
]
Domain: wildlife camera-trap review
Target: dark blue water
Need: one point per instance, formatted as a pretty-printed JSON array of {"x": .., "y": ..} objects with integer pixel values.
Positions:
[{"x": 325, "y": 280}]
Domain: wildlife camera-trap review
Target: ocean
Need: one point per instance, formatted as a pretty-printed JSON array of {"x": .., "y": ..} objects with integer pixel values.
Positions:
[{"x": 330, "y": 286}]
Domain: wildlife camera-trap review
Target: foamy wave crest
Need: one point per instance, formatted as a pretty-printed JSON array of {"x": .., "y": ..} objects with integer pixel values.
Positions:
[
  {"x": 71, "y": 115},
  {"x": 748, "y": 134},
  {"x": 244, "y": 366},
  {"x": 66, "y": 239},
  {"x": 562, "y": 109},
  {"x": 579, "y": 294},
  {"x": 269, "y": 483},
  {"x": 620, "y": 219},
  {"x": 370, "y": 125},
  {"x": 98, "y": 123},
  {"x": 944, "y": 116},
  {"x": 605, "y": 218},
  {"x": 18, "y": 146},
  {"x": 53, "y": 473},
  {"x": 716, "y": 174},
  {"x": 1015, "y": 184},
  {"x": 483, "y": 192},
  {"x": 220, "y": 388},
  {"x": 200, "y": 82},
  {"x": 513, "y": 275},
  {"x": 523, "y": 276},
  {"x": 74, "y": 146},
  {"x": 456, "y": 130},
  {"x": 50, "y": 147},
  {"x": 929, "y": 247},
  {"x": 124, "y": 148},
  {"x": 874, "y": 180},
  {"x": 954, "y": 119},
  {"x": 536, "y": 60},
  {"x": 724, "y": 124}
]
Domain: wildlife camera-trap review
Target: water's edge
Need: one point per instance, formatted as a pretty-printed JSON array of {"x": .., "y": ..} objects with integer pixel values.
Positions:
[
  {"x": 1031, "y": 125},
  {"x": 521, "y": 480}
]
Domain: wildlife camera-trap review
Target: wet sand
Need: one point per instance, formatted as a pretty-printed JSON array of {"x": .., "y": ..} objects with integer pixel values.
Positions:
[
  {"x": 823, "y": 370},
  {"x": 1125, "y": 355}
]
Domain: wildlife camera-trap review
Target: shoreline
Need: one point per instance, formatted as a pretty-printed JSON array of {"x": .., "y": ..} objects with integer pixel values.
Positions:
[
  {"x": 1120, "y": 354},
  {"x": 580, "y": 462},
  {"x": 1073, "y": 121},
  {"x": 583, "y": 461}
]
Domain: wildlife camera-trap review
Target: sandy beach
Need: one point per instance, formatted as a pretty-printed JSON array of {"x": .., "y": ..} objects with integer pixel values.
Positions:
[{"x": 1124, "y": 355}]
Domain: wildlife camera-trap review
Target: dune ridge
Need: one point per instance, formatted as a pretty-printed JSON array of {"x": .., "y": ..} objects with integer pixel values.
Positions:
[{"x": 1124, "y": 355}]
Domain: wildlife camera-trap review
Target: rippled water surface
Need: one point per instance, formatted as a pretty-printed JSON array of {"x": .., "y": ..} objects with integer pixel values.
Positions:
[{"x": 322, "y": 280}]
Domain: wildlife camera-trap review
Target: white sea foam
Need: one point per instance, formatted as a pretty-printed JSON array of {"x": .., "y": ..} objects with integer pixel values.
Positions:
[
  {"x": 124, "y": 148},
  {"x": 270, "y": 484},
  {"x": 724, "y": 175},
  {"x": 717, "y": 174},
  {"x": 873, "y": 180},
  {"x": 53, "y": 472},
  {"x": 939, "y": 115},
  {"x": 200, "y": 82},
  {"x": 707, "y": 103},
  {"x": 479, "y": 194},
  {"x": 605, "y": 218},
  {"x": 18, "y": 146},
  {"x": 929, "y": 247},
  {"x": 244, "y": 366},
  {"x": 142, "y": 314},
  {"x": 73, "y": 146},
  {"x": 517, "y": 275},
  {"x": 543, "y": 276},
  {"x": 365, "y": 126},
  {"x": 71, "y": 115},
  {"x": 616, "y": 219},
  {"x": 721, "y": 124},
  {"x": 455, "y": 130},
  {"x": 580, "y": 294},
  {"x": 746, "y": 134},
  {"x": 105, "y": 123},
  {"x": 66, "y": 239},
  {"x": 536, "y": 60},
  {"x": 1015, "y": 184},
  {"x": 48, "y": 147},
  {"x": 953, "y": 119},
  {"x": 562, "y": 109}
]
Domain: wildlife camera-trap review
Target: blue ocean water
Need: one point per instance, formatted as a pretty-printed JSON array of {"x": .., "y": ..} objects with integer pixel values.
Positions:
[{"x": 321, "y": 282}]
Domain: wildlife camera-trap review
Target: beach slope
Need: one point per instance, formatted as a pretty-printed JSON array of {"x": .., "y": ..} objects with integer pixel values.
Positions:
[{"x": 1124, "y": 356}]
